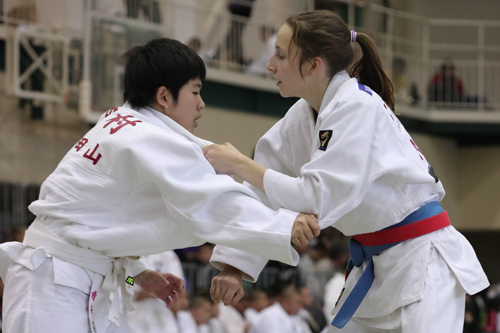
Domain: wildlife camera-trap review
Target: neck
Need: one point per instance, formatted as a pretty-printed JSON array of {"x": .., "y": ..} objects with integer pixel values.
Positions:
[
  {"x": 315, "y": 92},
  {"x": 157, "y": 107}
]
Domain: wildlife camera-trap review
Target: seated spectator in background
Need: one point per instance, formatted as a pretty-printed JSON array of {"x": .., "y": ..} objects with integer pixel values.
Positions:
[
  {"x": 320, "y": 272},
  {"x": 339, "y": 255},
  {"x": 19, "y": 232},
  {"x": 399, "y": 79},
  {"x": 198, "y": 315},
  {"x": 151, "y": 315},
  {"x": 268, "y": 36},
  {"x": 257, "y": 301},
  {"x": 311, "y": 312},
  {"x": 215, "y": 324},
  {"x": 445, "y": 86},
  {"x": 195, "y": 44},
  {"x": 232, "y": 317},
  {"x": 206, "y": 271},
  {"x": 472, "y": 318},
  {"x": 492, "y": 309},
  {"x": 282, "y": 315},
  {"x": 241, "y": 11},
  {"x": 172, "y": 320}
]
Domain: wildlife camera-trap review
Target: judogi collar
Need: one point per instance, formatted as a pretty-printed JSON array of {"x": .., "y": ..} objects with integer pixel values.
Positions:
[
  {"x": 335, "y": 83},
  {"x": 162, "y": 120}
]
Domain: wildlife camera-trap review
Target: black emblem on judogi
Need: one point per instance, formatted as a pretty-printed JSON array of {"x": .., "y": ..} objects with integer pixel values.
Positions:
[
  {"x": 324, "y": 138},
  {"x": 433, "y": 174}
]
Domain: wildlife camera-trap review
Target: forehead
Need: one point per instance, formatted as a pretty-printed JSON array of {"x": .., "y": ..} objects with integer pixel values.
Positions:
[
  {"x": 194, "y": 82},
  {"x": 284, "y": 36}
]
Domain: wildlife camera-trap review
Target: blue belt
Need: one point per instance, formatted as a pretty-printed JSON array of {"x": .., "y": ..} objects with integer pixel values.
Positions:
[{"x": 360, "y": 253}]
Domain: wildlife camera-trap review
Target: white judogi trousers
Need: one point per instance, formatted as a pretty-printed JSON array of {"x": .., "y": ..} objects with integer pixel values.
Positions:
[
  {"x": 441, "y": 310},
  {"x": 36, "y": 301}
]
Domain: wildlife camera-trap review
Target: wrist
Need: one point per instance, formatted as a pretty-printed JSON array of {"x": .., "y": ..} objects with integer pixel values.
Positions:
[
  {"x": 242, "y": 166},
  {"x": 228, "y": 269},
  {"x": 139, "y": 278}
]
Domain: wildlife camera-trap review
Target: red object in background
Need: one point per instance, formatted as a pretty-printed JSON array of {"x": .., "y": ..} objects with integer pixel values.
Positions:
[{"x": 491, "y": 322}]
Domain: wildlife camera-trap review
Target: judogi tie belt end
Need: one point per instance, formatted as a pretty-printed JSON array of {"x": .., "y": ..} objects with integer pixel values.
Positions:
[{"x": 428, "y": 218}]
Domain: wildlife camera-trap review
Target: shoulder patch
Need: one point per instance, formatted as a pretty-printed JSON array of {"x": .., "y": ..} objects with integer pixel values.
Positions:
[
  {"x": 324, "y": 138},
  {"x": 364, "y": 88}
]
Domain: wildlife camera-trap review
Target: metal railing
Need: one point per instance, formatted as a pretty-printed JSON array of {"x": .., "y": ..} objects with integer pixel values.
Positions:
[
  {"x": 438, "y": 63},
  {"x": 418, "y": 53}
]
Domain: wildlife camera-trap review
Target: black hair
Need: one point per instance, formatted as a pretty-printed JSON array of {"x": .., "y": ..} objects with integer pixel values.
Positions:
[{"x": 161, "y": 62}]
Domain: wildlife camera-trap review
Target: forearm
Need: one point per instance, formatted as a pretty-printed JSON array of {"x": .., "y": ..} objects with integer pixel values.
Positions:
[{"x": 251, "y": 171}]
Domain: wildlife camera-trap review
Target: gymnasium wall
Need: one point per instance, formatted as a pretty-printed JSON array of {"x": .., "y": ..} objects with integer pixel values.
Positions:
[{"x": 30, "y": 150}]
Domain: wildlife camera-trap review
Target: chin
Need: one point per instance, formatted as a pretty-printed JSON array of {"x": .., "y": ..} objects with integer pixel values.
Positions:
[{"x": 284, "y": 94}]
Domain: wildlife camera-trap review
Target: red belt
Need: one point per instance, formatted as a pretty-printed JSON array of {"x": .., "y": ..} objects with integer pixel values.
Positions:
[{"x": 409, "y": 231}]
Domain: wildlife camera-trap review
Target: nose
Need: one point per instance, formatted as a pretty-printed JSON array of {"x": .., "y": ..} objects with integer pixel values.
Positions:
[
  {"x": 270, "y": 66},
  {"x": 201, "y": 104}
]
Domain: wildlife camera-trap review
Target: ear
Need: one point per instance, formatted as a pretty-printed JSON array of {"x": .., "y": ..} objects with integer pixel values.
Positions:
[
  {"x": 163, "y": 97},
  {"x": 316, "y": 64}
]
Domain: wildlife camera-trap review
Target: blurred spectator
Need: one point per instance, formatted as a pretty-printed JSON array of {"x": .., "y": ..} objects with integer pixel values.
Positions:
[
  {"x": 445, "y": 86},
  {"x": 339, "y": 256},
  {"x": 148, "y": 10},
  {"x": 311, "y": 313},
  {"x": 404, "y": 92},
  {"x": 195, "y": 45},
  {"x": 472, "y": 318},
  {"x": 232, "y": 317},
  {"x": 241, "y": 9},
  {"x": 257, "y": 301},
  {"x": 172, "y": 320},
  {"x": 215, "y": 324},
  {"x": 305, "y": 262},
  {"x": 151, "y": 314},
  {"x": 187, "y": 254},
  {"x": 200, "y": 312},
  {"x": 399, "y": 83},
  {"x": 268, "y": 36},
  {"x": 18, "y": 232},
  {"x": 205, "y": 272},
  {"x": 320, "y": 272},
  {"x": 282, "y": 315},
  {"x": 492, "y": 309}
]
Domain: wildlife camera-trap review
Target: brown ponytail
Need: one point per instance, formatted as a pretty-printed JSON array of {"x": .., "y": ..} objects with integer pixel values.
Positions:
[
  {"x": 368, "y": 70},
  {"x": 324, "y": 34}
]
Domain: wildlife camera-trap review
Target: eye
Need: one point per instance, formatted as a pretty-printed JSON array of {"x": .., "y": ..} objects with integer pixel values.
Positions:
[
  {"x": 196, "y": 92},
  {"x": 281, "y": 57}
]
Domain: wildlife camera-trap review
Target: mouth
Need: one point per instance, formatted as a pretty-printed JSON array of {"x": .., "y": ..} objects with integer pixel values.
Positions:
[
  {"x": 195, "y": 121},
  {"x": 278, "y": 83}
]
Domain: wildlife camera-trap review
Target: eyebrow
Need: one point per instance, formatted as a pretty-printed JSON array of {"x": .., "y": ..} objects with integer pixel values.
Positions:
[{"x": 197, "y": 85}]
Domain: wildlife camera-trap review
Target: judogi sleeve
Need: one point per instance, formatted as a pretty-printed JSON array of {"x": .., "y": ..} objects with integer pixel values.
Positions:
[
  {"x": 214, "y": 208},
  {"x": 336, "y": 179},
  {"x": 245, "y": 261}
]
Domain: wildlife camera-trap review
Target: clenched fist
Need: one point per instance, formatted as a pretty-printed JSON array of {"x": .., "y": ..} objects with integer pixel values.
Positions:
[
  {"x": 227, "y": 287},
  {"x": 305, "y": 228}
]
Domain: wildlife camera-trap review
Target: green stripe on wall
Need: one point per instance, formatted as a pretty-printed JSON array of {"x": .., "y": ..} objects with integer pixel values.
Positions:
[{"x": 244, "y": 99}]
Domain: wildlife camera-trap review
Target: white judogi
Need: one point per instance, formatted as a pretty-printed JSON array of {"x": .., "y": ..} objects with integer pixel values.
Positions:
[
  {"x": 136, "y": 184},
  {"x": 231, "y": 319},
  {"x": 151, "y": 314},
  {"x": 369, "y": 176},
  {"x": 275, "y": 319},
  {"x": 187, "y": 324},
  {"x": 333, "y": 288},
  {"x": 250, "y": 315}
]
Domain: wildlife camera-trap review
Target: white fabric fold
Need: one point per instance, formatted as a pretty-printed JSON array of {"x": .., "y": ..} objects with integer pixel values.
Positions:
[{"x": 115, "y": 271}]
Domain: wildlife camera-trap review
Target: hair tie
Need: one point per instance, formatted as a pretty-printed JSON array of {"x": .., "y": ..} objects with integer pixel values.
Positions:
[{"x": 353, "y": 36}]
